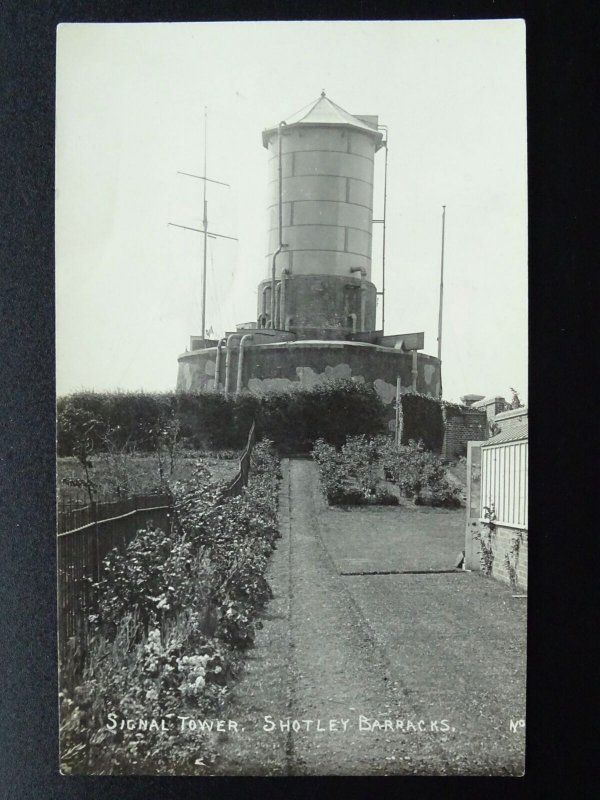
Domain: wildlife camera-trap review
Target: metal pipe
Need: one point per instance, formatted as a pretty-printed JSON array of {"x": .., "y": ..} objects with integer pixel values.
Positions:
[
  {"x": 281, "y": 245},
  {"x": 441, "y": 297},
  {"x": 218, "y": 362},
  {"x": 278, "y": 306},
  {"x": 271, "y": 323},
  {"x": 205, "y": 231},
  {"x": 243, "y": 340},
  {"x": 363, "y": 295},
  {"x": 363, "y": 303},
  {"x": 383, "y": 242},
  {"x": 414, "y": 371},
  {"x": 230, "y": 338},
  {"x": 398, "y": 436},
  {"x": 264, "y": 300},
  {"x": 284, "y": 277}
]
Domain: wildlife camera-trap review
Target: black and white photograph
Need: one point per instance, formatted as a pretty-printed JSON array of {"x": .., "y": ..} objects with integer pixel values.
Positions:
[{"x": 292, "y": 401}]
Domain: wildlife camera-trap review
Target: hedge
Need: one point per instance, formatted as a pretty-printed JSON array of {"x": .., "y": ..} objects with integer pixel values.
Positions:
[
  {"x": 422, "y": 419},
  {"x": 293, "y": 420}
]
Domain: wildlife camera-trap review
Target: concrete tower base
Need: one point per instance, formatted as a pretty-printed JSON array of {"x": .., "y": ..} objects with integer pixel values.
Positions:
[{"x": 284, "y": 365}]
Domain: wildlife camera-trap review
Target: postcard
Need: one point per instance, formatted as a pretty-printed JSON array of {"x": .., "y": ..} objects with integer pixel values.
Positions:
[{"x": 292, "y": 442}]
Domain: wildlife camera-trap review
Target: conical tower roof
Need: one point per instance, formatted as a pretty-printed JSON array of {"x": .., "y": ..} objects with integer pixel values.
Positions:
[{"x": 324, "y": 112}]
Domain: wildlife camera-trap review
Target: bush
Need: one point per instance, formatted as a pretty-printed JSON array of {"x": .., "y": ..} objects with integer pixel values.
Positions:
[
  {"x": 421, "y": 475},
  {"x": 293, "y": 420},
  {"x": 174, "y": 613},
  {"x": 422, "y": 420},
  {"x": 350, "y": 475}
]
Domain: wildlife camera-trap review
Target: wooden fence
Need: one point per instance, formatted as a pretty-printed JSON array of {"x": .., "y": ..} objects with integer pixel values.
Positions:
[
  {"x": 241, "y": 479},
  {"x": 86, "y": 534},
  {"x": 81, "y": 551},
  {"x": 504, "y": 482}
]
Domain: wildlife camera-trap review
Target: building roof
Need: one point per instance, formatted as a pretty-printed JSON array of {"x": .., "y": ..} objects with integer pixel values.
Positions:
[
  {"x": 512, "y": 433},
  {"x": 324, "y": 111}
]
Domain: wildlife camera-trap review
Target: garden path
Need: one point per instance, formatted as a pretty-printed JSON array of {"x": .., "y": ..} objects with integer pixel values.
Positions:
[{"x": 446, "y": 648}]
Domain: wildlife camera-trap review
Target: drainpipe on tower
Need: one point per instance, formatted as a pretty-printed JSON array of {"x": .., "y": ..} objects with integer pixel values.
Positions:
[
  {"x": 281, "y": 244},
  {"x": 243, "y": 341},
  {"x": 414, "y": 371},
  {"x": 218, "y": 363},
  {"x": 230, "y": 339},
  {"x": 278, "y": 306},
  {"x": 363, "y": 294},
  {"x": 284, "y": 276}
]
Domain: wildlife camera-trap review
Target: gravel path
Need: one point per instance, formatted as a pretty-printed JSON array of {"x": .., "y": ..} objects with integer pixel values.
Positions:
[{"x": 376, "y": 674}]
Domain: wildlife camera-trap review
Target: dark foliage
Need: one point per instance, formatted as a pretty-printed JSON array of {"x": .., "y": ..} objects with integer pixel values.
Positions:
[
  {"x": 422, "y": 420},
  {"x": 293, "y": 420}
]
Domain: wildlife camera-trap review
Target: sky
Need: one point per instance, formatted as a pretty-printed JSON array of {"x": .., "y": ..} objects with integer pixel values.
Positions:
[{"x": 131, "y": 102}]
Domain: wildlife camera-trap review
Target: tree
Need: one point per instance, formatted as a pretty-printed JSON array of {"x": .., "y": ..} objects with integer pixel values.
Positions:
[{"x": 80, "y": 425}]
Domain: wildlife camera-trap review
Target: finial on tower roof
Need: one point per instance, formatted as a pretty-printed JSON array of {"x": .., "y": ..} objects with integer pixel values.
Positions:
[{"x": 323, "y": 93}]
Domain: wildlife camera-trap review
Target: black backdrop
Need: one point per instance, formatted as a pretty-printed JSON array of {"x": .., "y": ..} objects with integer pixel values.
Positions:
[{"x": 562, "y": 158}]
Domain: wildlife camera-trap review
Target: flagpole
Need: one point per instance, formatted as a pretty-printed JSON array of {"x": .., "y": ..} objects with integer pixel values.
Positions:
[
  {"x": 205, "y": 227},
  {"x": 441, "y": 296}
]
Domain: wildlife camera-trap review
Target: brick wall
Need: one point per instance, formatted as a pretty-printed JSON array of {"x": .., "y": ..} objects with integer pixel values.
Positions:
[
  {"x": 507, "y": 420},
  {"x": 462, "y": 426},
  {"x": 492, "y": 406},
  {"x": 503, "y": 540}
]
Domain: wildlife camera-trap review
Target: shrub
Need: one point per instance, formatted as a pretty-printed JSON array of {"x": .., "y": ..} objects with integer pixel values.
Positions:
[
  {"x": 161, "y": 674},
  {"x": 350, "y": 475},
  {"x": 293, "y": 420},
  {"x": 385, "y": 498},
  {"x": 174, "y": 613},
  {"x": 421, "y": 475},
  {"x": 422, "y": 419}
]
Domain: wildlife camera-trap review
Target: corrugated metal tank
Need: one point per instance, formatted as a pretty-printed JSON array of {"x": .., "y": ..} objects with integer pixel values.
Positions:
[{"x": 327, "y": 168}]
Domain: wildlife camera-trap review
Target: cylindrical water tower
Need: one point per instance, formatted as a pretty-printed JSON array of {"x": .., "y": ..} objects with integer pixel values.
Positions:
[
  {"x": 316, "y": 305},
  {"x": 321, "y": 191}
]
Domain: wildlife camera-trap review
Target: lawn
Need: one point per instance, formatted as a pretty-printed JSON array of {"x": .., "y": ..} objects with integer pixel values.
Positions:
[
  {"x": 401, "y": 538},
  {"x": 126, "y": 475}
]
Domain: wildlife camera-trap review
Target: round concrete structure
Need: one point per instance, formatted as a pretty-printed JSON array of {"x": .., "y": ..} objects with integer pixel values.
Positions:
[
  {"x": 304, "y": 363},
  {"x": 317, "y": 304},
  {"x": 323, "y": 273}
]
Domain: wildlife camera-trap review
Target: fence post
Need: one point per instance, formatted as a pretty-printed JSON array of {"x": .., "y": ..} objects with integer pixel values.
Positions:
[
  {"x": 94, "y": 509},
  {"x": 473, "y": 512},
  {"x": 398, "y": 400}
]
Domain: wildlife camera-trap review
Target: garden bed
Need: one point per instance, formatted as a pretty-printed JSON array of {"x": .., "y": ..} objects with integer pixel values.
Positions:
[
  {"x": 171, "y": 623},
  {"x": 126, "y": 475},
  {"x": 375, "y": 471}
]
